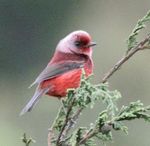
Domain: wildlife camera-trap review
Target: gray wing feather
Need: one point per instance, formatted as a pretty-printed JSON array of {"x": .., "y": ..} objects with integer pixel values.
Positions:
[{"x": 55, "y": 70}]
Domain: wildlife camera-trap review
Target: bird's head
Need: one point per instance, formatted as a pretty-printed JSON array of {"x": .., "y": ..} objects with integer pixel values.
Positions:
[{"x": 77, "y": 42}]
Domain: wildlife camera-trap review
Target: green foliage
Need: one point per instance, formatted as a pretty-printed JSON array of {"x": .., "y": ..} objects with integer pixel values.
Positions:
[
  {"x": 135, "y": 110},
  {"x": 27, "y": 141},
  {"x": 132, "y": 40},
  {"x": 77, "y": 135},
  {"x": 110, "y": 118}
]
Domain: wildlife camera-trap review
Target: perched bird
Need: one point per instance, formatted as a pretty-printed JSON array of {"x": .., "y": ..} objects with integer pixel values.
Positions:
[{"x": 64, "y": 70}]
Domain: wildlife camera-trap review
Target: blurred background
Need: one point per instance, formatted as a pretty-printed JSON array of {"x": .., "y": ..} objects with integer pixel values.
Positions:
[{"x": 29, "y": 32}]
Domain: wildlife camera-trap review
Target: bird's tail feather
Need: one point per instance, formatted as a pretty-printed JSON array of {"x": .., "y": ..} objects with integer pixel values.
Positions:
[{"x": 38, "y": 93}]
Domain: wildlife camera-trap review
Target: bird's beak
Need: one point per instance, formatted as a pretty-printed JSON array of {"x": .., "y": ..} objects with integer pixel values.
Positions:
[{"x": 91, "y": 44}]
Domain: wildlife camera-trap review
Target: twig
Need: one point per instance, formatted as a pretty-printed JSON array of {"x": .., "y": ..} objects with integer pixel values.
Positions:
[
  {"x": 71, "y": 122},
  {"x": 90, "y": 133},
  {"x": 51, "y": 129},
  {"x": 138, "y": 47},
  {"x": 61, "y": 136},
  {"x": 88, "y": 136},
  {"x": 135, "y": 110}
]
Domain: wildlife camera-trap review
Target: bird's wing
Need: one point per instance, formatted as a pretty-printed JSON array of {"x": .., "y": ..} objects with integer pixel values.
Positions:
[{"x": 56, "y": 69}]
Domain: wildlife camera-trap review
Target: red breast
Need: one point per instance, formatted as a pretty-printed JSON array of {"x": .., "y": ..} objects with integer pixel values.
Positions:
[{"x": 67, "y": 80}]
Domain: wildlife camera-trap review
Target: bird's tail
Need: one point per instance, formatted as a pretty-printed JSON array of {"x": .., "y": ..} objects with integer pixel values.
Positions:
[{"x": 38, "y": 93}]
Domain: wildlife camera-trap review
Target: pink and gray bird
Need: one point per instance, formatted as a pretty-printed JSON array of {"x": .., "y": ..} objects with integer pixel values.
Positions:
[{"x": 64, "y": 70}]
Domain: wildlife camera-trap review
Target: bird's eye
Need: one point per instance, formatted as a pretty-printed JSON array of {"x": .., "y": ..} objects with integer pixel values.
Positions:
[{"x": 78, "y": 43}]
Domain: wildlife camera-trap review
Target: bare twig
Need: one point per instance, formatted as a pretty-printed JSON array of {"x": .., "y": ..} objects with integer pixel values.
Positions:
[{"x": 138, "y": 47}]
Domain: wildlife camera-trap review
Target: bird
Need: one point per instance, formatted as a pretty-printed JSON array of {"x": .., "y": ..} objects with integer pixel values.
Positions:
[{"x": 72, "y": 54}]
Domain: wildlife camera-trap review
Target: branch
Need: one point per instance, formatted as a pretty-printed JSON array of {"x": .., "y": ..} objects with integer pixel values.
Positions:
[
  {"x": 67, "y": 119},
  {"x": 72, "y": 121},
  {"x": 87, "y": 136},
  {"x": 138, "y": 47},
  {"x": 135, "y": 110}
]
